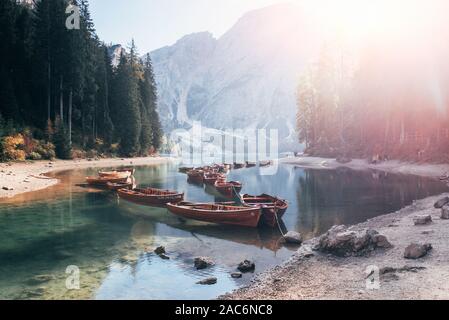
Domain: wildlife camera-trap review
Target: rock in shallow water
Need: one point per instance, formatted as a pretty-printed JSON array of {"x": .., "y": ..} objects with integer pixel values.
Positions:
[
  {"x": 203, "y": 263},
  {"x": 41, "y": 279},
  {"x": 422, "y": 220},
  {"x": 236, "y": 275},
  {"x": 159, "y": 250},
  {"x": 246, "y": 266},
  {"x": 293, "y": 237},
  {"x": 163, "y": 256},
  {"x": 208, "y": 281},
  {"x": 416, "y": 251},
  {"x": 441, "y": 203}
]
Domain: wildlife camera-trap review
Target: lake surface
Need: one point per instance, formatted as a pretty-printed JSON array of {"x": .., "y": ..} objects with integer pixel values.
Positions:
[{"x": 112, "y": 241}]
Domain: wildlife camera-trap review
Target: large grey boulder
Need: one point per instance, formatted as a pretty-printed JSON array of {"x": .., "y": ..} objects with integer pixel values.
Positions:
[
  {"x": 416, "y": 251},
  {"x": 441, "y": 203},
  {"x": 203, "y": 263},
  {"x": 422, "y": 220},
  {"x": 341, "y": 242}
]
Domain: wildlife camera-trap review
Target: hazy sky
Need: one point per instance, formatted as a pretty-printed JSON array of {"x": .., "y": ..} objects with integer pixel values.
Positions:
[{"x": 157, "y": 23}]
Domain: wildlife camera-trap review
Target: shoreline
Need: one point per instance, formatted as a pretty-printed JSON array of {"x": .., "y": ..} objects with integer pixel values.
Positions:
[
  {"x": 31, "y": 176},
  {"x": 393, "y": 166},
  {"x": 311, "y": 274}
]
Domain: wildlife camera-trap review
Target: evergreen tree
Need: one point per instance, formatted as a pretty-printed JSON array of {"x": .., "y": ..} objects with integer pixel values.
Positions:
[
  {"x": 62, "y": 81},
  {"x": 150, "y": 101},
  {"x": 61, "y": 141},
  {"x": 126, "y": 108}
]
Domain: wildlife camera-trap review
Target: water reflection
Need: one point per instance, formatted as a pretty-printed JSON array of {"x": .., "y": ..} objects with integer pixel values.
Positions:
[{"x": 112, "y": 241}]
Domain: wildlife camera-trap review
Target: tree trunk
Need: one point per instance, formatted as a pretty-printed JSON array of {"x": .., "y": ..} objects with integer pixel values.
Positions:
[
  {"x": 49, "y": 91},
  {"x": 70, "y": 114},
  {"x": 61, "y": 99}
]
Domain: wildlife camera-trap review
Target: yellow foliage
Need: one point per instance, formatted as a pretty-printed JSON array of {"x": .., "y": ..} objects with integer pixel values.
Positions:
[{"x": 12, "y": 148}]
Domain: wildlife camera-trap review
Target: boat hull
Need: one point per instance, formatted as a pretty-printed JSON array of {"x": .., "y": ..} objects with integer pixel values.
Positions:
[
  {"x": 228, "y": 189},
  {"x": 102, "y": 182},
  {"x": 196, "y": 176},
  {"x": 152, "y": 200},
  {"x": 237, "y": 216},
  {"x": 118, "y": 186},
  {"x": 273, "y": 209}
]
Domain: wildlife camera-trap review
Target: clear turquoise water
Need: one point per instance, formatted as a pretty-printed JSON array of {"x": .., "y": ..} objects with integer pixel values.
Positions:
[{"x": 112, "y": 241}]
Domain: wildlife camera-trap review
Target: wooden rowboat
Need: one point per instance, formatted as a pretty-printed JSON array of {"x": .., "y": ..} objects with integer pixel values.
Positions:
[
  {"x": 250, "y": 164},
  {"x": 150, "y": 196},
  {"x": 103, "y": 181},
  {"x": 185, "y": 169},
  {"x": 115, "y": 174},
  {"x": 228, "y": 189},
  {"x": 270, "y": 206},
  {"x": 216, "y": 213},
  {"x": 239, "y": 165},
  {"x": 211, "y": 178},
  {"x": 265, "y": 163},
  {"x": 116, "y": 186},
  {"x": 196, "y": 176}
]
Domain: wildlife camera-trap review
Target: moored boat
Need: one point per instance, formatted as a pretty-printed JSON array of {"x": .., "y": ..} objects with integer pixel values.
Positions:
[
  {"x": 228, "y": 189},
  {"x": 116, "y": 186},
  {"x": 265, "y": 163},
  {"x": 115, "y": 174},
  {"x": 272, "y": 208},
  {"x": 185, "y": 169},
  {"x": 250, "y": 164},
  {"x": 103, "y": 181},
  {"x": 151, "y": 196},
  {"x": 239, "y": 165},
  {"x": 211, "y": 178},
  {"x": 196, "y": 176},
  {"x": 216, "y": 213}
]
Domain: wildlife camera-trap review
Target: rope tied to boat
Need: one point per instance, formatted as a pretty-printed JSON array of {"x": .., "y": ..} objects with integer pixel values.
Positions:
[{"x": 277, "y": 220}]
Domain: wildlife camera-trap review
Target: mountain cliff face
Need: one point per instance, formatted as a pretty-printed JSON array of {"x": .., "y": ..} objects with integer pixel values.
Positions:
[{"x": 246, "y": 79}]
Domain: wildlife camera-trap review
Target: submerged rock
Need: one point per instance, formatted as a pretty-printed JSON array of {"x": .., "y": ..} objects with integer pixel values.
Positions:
[
  {"x": 293, "y": 237},
  {"x": 416, "y": 251},
  {"x": 163, "y": 256},
  {"x": 39, "y": 279},
  {"x": 35, "y": 293},
  {"x": 159, "y": 250},
  {"x": 422, "y": 220},
  {"x": 441, "y": 203},
  {"x": 246, "y": 266},
  {"x": 203, "y": 263},
  {"x": 341, "y": 242},
  {"x": 208, "y": 281}
]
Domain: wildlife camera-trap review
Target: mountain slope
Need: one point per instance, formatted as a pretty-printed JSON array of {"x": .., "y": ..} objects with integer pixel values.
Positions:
[{"x": 246, "y": 79}]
